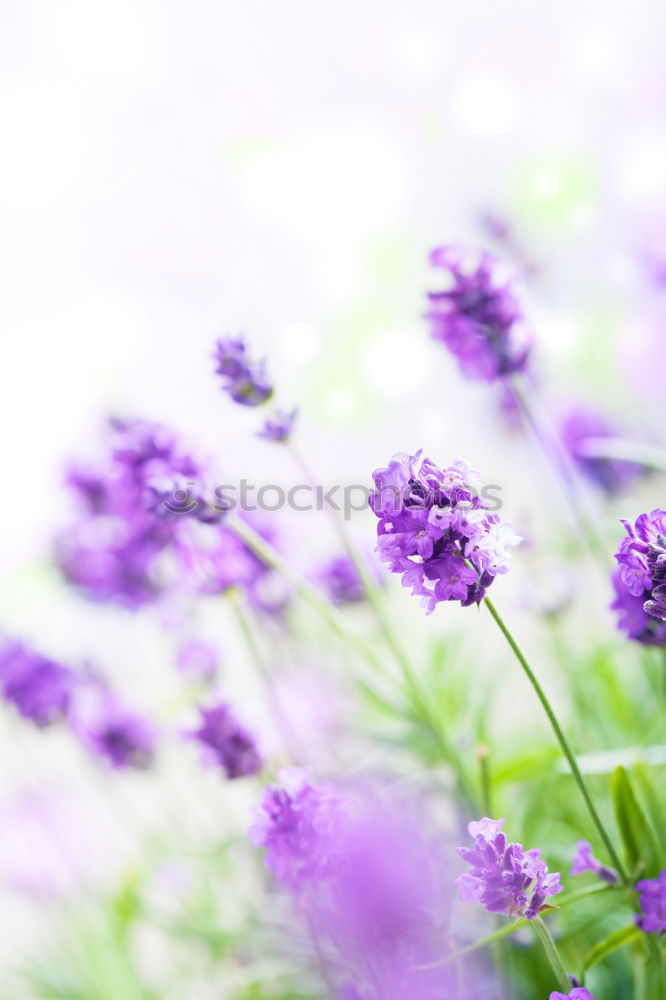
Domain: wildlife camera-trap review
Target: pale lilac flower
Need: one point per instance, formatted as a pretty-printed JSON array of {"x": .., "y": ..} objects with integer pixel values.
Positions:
[
  {"x": 504, "y": 877},
  {"x": 38, "y": 687},
  {"x": 279, "y": 426},
  {"x": 653, "y": 904},
  {"x": 198, "y": 659},
  {"x": 244, "y": 378},
  {"x": 476, "y": 314},
  {"x": 117, "y": 735},
  {"x": 585, "y": 861}
]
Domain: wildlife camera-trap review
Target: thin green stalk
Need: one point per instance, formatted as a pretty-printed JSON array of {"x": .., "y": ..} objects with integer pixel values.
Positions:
[
  {"x": 375, "y": 599},
  {"x": 326, "y": 611},
  {"x": 561, "y": 738},
  {"x": 553, "y": 955}
]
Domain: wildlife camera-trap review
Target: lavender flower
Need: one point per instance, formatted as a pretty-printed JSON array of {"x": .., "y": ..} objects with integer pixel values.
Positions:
[
  {"x": 298, "y": 823},
  {"x": 653, "y": 904},
  {"x": 372, "y": 881},
  {"x": 279, "y": 426},
  {"x": 39, "y": 688},
  {"x": 133, "y": 508},
  {"x": 640, "y": 581},
  {"x": 585, "y": 861},
  {"x": 577, "y": 993},
  {"x": 504, "y": 877},
  {"x": 577, "y": 429},
  {"x": 244, "y": 379},
  {"x": 116, "y": 735},
  {"x": 227, "y": 743},
  {"x": 434, "y": 530},
  {"x": 341, "y": 581},
  {"x": 477, "y": 315}
]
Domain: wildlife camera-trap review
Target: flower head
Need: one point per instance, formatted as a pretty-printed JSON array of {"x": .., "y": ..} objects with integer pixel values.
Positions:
[
  {"x": 298, "y": 822},
  {"x": 577, "y": 430},
  {"x": 340, "y": 579},
  {"x": 39, "y": 688},
  {"x": 244, "y": 379},
  {"x": 477, "y": 315},
  {"x": 653, "y": 904},
  {"x": 279, "y": 426},
  {"x": 227, "y": 743},
  {"x": 110, "y": 731},
  {"x": 197, "y": 659},
  {"x": 640, "y": 581},
  {"x": 435, "y": 531},
  {"x": 504, "y": 877},
  {"x": 133, "y": 508},
  {"x": 585, "y": 861}
]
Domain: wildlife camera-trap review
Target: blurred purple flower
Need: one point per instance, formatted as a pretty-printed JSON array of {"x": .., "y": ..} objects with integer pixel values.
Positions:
[
  {"x": 653, "y": 904},
  {"x": 244, "y": 379},
  {"x": 133, "y": 509},
  {"x": 279, "y": 426},
  {"x": 640, "y": 581},
  {"x": 577, "y": 993},
  {"x": 434, "y": 530},
  {"x": 585, "y": 861},
  {"x": 504, "y": 878},
  {"x": 340, "y": 579},
  {"x": 477, "y": 315},
  {"x": 226, "y": 742},
  {"x": 39, "y": 688},
  {"x": 198, "y": 659},
  {"x": 108, "y": 730},
  {"x": 373, "y": 884},
  {"x": 578, "y": 428}
]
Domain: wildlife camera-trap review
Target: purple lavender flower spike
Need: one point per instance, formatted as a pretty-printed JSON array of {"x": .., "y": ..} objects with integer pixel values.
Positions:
[
  {"x": 227, "y": 743},
  {"x": 577, "y": 993},
  {"x": 116, "y": 735},
  {"x": 133, "y": 508},
  {"x": 653, "y": 904},
  {"x": 585, "y": 861},
  {"x": 279, "y": 426},
  {"x": 434, "y": 530},
  {"x": 477, "y": 315},
  {"x": 298, "y": 823},
  {"x": 340, "y": 580},
  {"x": 39, "y": 688},
  {"x": 640, "y": 580},
  {"x": 244, "y": 379},
  {"x": 579, "y": 426},
  {"x": 504, "y": 877}
]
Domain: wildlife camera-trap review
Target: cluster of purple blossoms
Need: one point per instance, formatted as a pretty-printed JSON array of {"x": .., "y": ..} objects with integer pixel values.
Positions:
[
  {"x": 226, "y": 742},
  {"x": 374, "y": 884},
  {"x": 279, "y": 426},
  {"x": 578, "y": 429},
  {"x": 640, "y": 580},
  {"x": 585, "y": 861},
  {"x": 435, "y": 531},
  {"x": 653, "y": 904},
  {"x": 244, "y": 379},
  {"x": 39, "y": 688},
  {"x": 476, "y": 314},
  {"x": 339, "y": 578},
  {"x": 504, "y": 877},
  {"x": 133, "y": 508}
]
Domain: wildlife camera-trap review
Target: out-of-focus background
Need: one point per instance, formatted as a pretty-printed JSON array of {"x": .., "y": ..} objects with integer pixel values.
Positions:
[{"x": 171, "y": 171}]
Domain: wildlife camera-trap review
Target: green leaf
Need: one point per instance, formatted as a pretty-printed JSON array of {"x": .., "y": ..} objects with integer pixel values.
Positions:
[
  {"x": 614, "y": 941},
  {"x": 655, "y": 805},
  {"x": 637, "y": 835}
]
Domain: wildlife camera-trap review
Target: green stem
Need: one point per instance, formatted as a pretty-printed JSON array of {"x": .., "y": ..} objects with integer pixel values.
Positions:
[
  {"x": 305, "y": 590},
  {"x": 374, "y": 597},
  {"x": 552, "y": 953},
  {"x": 561, "y": 738}
]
